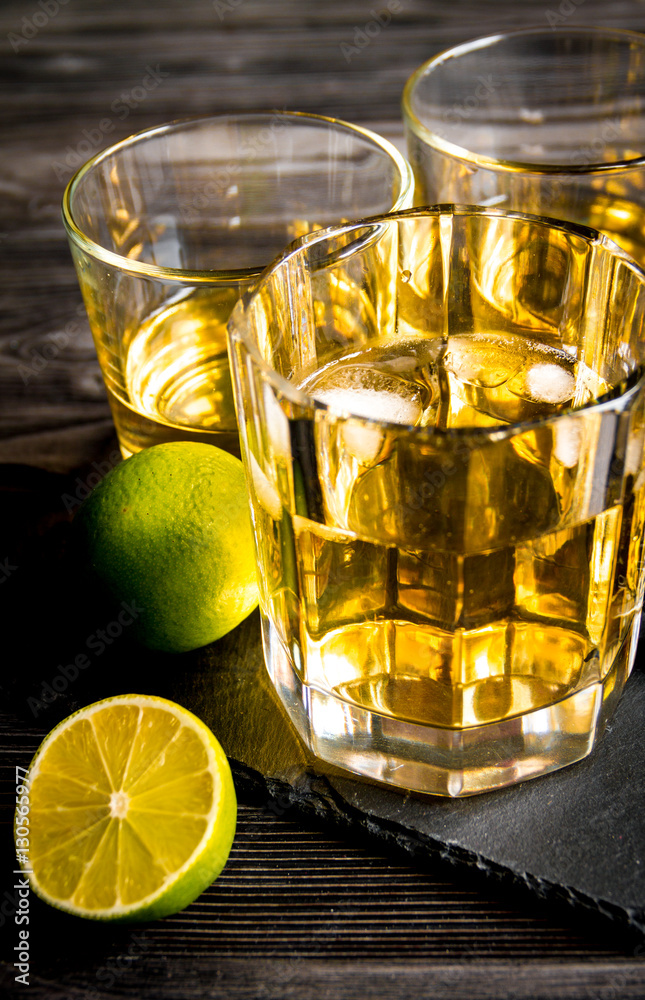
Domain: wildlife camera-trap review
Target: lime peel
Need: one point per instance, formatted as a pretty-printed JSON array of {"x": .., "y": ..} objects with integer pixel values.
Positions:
[{"x": 168, "y": 532}]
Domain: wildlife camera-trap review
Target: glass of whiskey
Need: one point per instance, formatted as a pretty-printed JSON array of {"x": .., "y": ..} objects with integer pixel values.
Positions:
[
  {"x": 442, "y": 424},
  {"x": 169, "y": 227},
  {"x": 545, "y": 120}
]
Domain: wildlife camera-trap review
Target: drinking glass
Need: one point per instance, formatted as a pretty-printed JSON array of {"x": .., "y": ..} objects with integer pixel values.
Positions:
[
  {"x": 442, "y": 419},
  {"x": 540, "y": 120},
  {"x": 170, "y": 226}
]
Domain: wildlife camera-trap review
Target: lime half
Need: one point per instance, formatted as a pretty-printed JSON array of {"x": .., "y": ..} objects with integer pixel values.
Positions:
[{"x": 132, "y": 810}]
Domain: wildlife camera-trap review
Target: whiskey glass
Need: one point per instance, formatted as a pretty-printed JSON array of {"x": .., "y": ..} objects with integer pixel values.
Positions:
[
  {"x": 441, "y": 420},
  {"x": 547, "y": 120},
  {"x": 170, "y": 226}
]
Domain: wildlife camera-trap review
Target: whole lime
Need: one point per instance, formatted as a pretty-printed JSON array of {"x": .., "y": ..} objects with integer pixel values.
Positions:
[{"x": 168, "y": 534}]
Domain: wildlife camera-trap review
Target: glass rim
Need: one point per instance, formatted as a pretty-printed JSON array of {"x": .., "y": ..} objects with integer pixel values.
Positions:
[
  {"x": 288, "y": 391},
  {"x": 183, "y": 275},
  {"x": 468, "y": 156}
]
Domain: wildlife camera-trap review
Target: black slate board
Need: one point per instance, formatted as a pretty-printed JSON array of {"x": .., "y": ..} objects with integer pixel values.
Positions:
[{"x": 577, "y": 834}]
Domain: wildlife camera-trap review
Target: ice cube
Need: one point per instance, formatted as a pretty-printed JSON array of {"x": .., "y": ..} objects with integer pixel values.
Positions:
[
  {"x": 363, "y": 441},
  {"x": 368, "y": 393},
  {"x": 568, "y": 441},
  {"x": 265, "y": 492},
  {"x": 372, "y": 405},
  {"x": 485, "y": 361},
  {"x": 404, "y": 363},
  {"x": 549, "y": 383},
  {"x": 277, "y": 426}
]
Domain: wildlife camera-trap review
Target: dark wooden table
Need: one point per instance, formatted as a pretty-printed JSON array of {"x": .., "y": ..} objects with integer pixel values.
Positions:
[{"x": 299, "y": 910}]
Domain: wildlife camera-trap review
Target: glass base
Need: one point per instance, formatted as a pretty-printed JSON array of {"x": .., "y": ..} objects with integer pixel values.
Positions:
[{"x": 439, "y": 761}]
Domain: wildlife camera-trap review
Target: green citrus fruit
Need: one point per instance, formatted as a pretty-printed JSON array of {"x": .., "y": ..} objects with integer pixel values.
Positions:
[
  {"x": 131, "y": 811},
  {"x": 168, "y": 533}
]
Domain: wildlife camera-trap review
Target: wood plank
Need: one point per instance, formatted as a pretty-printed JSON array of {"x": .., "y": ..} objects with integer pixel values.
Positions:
[{"x": 299, "y": 909}]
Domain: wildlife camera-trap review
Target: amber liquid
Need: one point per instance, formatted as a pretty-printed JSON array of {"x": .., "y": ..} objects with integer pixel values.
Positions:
[
  {"x": 456, "y": 623},
  {"x": 613, "y": 204},
  {"x": 177, "y": 376},
  {"x": 177, "y": 379}
]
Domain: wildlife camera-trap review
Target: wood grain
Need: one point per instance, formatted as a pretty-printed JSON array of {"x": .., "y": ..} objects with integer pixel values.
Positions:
[
  {"x": 62, "y": 83},
  {"x": 298, "y": 911},
  {"x": 298, "y": 906}
]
